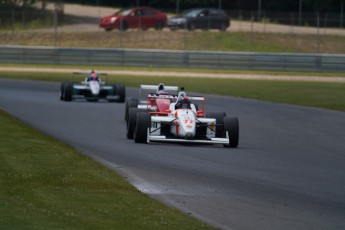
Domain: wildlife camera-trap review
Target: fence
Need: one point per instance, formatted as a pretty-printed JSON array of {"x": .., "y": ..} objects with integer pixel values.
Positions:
[{"x": 181, "y": 59}]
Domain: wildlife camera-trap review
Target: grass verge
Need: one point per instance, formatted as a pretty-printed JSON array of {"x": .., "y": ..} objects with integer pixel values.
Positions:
[
  {"x": 315, "y": 94},
  {"x": 181, "y": 40},
  {"x": 55, "y": 187}
]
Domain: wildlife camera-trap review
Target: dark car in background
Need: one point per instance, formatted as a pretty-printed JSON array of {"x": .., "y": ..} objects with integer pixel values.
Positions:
[
  {"x": 138, "y": 17},
  {"x": 201, "y": 18}
]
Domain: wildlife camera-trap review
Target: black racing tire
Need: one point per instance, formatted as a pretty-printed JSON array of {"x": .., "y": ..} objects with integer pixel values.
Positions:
[
  {"x": 130, "y": 103},
  {"x": 68, "y": 92},
  {"x": 219, "y": 116},
  {"x": 114, "y": 89},
  {"x": 132, "y": 122},
  {"x": 62, "y": 90},
  {"x": 231, "y": 125},
  {"x": 143, "y": 123},
  {"x": 121, "y": 92}
]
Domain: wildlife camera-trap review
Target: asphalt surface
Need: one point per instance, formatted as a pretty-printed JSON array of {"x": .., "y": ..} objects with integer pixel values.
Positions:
[{"x": 288, "y": 172}]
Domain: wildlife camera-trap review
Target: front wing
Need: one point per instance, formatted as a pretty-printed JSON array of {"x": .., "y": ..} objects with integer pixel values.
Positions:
[
  {"x": 83, "y": 90},
  {"x": 162, "y": 138}
]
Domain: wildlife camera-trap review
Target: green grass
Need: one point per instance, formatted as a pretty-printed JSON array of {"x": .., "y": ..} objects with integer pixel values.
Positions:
[
  {"x": 315, "y": 94},
  {"x": 45, "y": 184},
  {"x": 181, "y": 40}
]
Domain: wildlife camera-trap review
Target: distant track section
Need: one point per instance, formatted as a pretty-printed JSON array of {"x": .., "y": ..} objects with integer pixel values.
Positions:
[{"x": 172, "y": 58}]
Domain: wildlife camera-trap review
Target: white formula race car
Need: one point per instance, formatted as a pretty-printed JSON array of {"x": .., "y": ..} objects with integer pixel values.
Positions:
[
  {"x": 183, "y": 123},
  {"x": 92, "y": 90}
]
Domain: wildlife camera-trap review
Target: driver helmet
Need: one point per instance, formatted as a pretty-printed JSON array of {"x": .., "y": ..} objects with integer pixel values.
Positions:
[
  {"x": 161, "y": 89},
  {"x": 185, "y": 103},
  {"x": 93, "y": 75}
]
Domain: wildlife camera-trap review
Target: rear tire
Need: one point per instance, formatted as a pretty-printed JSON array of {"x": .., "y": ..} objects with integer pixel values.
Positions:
[
  {"x": 219, "y": 122},
  {"x": 121, "y": 92},
  {"x": 62, "y": 90},
  {"x": 231, "y": 125},
  {"x": 143, "y": 123},
  {"x": 68, "y": 91},
  {"x": 130, "y": 103}
]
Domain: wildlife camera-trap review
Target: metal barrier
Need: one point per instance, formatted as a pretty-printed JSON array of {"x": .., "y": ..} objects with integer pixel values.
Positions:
[{"x": 172, "y": 58}]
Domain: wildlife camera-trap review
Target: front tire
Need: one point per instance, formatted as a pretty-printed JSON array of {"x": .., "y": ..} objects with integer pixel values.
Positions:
[
  {"x": 219, "y": 122},
  {"x": 68, "y": 91},
  {"x": 143, "y": 123},
  {"x": 231, "y": 126},
  {"x": 132, "y": 122}
]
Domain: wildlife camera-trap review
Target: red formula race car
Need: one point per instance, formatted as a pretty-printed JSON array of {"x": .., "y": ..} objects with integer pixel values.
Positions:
[{"x": 148, "y": 96}]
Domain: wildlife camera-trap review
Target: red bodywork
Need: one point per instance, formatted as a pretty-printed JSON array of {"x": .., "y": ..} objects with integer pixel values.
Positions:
[
  {"x": 138, "y": 17},
  {"x": 160, "y": 105},
  {"x": 163, "y": 104}
]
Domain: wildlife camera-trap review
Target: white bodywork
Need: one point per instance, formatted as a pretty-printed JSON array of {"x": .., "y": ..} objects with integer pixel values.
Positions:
[
  {"x": 183, "y": 125},
  {"x": 183, "y": 128},
  {"x": 94, "y": 87},
  {"x": 146, "y": 89}
]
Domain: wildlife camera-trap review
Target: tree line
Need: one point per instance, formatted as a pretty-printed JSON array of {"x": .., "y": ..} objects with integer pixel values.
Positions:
[{"x": 245, "y": 5}]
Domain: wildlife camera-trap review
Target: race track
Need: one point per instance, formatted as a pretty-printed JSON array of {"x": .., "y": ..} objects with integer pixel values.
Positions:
[{"x": 288, "y": 172}]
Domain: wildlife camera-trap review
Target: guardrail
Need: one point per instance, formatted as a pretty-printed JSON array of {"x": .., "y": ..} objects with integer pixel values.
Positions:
[{"x": 172, "y": 58}]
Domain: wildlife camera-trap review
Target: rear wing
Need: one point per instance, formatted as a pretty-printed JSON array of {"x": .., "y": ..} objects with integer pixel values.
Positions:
[
  {"x": 86, "y": 74},
  {"x": 147, "y": 89},
  {"x": 196, "y": 98}
]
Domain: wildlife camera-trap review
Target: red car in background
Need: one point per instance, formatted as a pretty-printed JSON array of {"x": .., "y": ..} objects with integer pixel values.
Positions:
[{"x": 138, "y": 17}]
